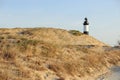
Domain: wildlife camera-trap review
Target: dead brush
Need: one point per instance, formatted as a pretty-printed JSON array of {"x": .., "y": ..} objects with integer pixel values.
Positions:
[
  {"x": 2, "y": 37},
  {"x": 3, "y": 76},
  {"x": 54, "y": 67},
  {"x": 113, "y": 57},
  {"x": 8, "y": 52},
  {"x": 48, "y": 50},
  {"x": 92, "y": 59},
  {"x": 8, "y": 55},
  {"x": 58, "y": 68},
  {"x": 70, "y": 68},
  {"x": 26, "y": 32},
  {"x": 21, "y": 72}
]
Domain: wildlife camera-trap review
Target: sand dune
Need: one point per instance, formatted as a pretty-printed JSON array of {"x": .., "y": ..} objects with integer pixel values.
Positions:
[{"x": 53, "y": 54}]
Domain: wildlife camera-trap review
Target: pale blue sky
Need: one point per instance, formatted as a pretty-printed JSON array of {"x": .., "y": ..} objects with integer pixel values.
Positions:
[{"x": 103, "y": 15}]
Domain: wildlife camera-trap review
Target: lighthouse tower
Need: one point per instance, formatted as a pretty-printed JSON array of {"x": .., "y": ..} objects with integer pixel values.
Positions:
[{"x": 86, "y": 27}]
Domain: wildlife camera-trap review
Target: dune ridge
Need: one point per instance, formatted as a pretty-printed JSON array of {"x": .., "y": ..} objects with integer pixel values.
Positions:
[{"x": 53, "y": 54}]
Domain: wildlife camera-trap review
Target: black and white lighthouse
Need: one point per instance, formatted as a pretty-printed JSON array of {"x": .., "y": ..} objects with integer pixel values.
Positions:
[{"x": 86, "y": 26}]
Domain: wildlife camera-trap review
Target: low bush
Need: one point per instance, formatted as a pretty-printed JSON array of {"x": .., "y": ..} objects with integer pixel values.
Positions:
[
  {"x": 75, "y": 32},
  {"x": 24, "y": 43}
]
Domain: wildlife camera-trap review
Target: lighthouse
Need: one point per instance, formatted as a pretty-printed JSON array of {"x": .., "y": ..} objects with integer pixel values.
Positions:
[{"x": 86, "y": 26}]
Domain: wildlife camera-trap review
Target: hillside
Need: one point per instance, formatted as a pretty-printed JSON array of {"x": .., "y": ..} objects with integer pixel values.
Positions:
[
  {"x": 53, "y": 54},
  {"x": 54, "y": 36}
]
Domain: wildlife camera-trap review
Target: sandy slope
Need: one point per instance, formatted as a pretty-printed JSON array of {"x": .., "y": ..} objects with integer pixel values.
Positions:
[
  {"x": 55, "y": 36},
  {"x": 52, "y": 54}
]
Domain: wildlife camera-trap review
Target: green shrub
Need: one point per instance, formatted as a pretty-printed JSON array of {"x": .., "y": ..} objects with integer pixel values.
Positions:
[
  {"x": 75, "y": 32},
  {"x": 24, "y": 43}
]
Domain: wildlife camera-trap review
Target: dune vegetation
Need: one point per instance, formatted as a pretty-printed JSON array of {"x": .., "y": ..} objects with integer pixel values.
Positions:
[{"x": 53, "y": 54}]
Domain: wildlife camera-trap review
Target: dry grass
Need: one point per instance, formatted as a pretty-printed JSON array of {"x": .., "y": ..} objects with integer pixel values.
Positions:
[{"x": 44, "y": 53}]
